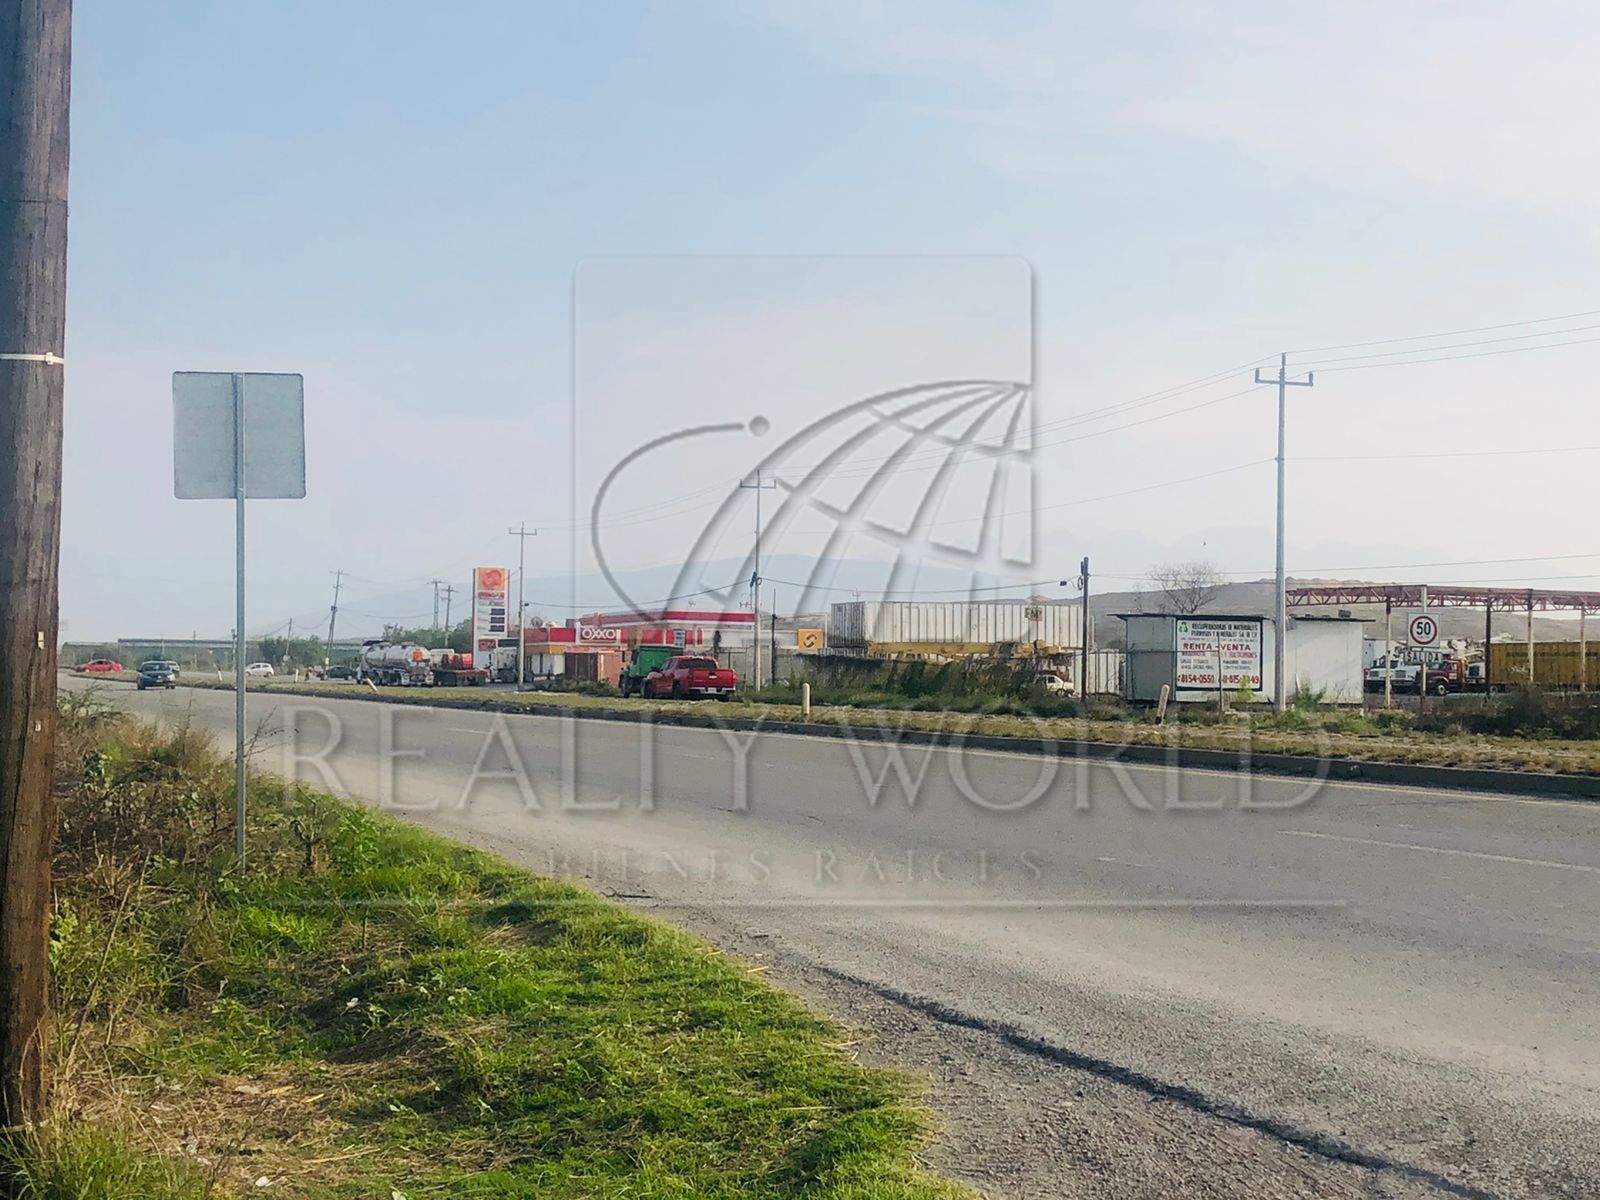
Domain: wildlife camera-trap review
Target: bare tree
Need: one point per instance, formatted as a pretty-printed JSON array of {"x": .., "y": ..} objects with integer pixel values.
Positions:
[{"x": 1186, "y": 587}]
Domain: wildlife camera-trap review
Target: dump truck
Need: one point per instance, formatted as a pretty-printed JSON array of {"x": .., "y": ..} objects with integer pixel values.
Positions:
[{"x": 641, "y": 662}]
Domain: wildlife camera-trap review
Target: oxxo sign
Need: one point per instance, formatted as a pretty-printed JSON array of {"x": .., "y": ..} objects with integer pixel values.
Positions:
[{"x": 599, "y": 633}]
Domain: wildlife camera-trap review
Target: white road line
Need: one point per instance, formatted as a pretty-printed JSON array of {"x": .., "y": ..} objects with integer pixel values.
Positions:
[{"x": 1507, "y": 858}]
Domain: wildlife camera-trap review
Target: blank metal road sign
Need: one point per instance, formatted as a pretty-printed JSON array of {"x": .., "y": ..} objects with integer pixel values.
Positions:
[
  {"x": 204, "y": 440},
  {"x": 238, "y": 436}
]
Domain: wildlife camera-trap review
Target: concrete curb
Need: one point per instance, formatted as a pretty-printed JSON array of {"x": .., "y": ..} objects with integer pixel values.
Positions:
[{"x": 1536, "y": 784}]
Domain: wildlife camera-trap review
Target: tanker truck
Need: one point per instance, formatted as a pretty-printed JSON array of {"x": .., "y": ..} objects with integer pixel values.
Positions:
[{"x": 394, "y": 664}]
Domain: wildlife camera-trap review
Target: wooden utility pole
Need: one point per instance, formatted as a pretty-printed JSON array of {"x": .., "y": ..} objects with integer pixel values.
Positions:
[{"x": 35, "y": 69}]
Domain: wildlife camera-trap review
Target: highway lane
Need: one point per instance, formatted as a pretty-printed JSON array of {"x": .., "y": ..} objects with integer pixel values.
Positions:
[{"x": 1335, "y": 990}]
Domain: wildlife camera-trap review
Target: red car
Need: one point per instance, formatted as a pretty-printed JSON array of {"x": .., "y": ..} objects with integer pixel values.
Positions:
[
  {"x": 102, "y": 665},
  {"x": 690, "y": 677}
]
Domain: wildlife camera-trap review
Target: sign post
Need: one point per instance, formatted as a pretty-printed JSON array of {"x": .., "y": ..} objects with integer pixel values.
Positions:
[
  {"x": 491, "y": 607},
  {"x": 238, "y": 436},
  {"x": 1422, "y": 632}
]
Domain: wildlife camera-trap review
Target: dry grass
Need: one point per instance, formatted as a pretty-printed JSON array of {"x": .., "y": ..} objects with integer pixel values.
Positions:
[{"x": 1334, "y": 734}]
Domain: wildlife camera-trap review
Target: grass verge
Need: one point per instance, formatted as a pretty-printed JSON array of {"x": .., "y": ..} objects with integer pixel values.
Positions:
[
  {"x": 370, "y": 1010},
  {"x": 1534, "y": 743}
]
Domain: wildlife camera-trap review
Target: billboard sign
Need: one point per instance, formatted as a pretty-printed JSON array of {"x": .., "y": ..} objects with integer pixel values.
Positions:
[
  {"x": 809, "y": 640},
  {"x": 491, "y": 602},
  {"x": 1219, "y": 654}
]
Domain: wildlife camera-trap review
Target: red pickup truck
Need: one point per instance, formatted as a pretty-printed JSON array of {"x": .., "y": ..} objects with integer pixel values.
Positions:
[{"x": 690, "y": 676}]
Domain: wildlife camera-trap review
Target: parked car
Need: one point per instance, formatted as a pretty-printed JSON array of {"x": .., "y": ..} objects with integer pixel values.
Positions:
[
  {"x": 102, "y": 666},
  {"x": 690, "y": 677},
  {"x": 1052, "y": 683},
  {"x": 260, "y": 670},
  {"x": 339, "y": 672},
  {"x": 157, "y": 672}
]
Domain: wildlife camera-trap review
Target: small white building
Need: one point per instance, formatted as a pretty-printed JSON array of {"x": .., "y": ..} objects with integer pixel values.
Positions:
[
  {"x": 1198, "y": 655},
  {"x": 1324, "y": 655}
]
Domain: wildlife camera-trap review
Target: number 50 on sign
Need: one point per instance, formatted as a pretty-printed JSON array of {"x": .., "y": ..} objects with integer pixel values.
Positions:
[{"x": 1424, "y": 630}]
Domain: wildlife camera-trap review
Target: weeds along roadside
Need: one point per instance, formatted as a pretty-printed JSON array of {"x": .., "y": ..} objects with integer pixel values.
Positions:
[{"x": 370, "y": 1009}]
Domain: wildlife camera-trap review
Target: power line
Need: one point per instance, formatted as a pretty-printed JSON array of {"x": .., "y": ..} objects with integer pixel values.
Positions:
[
  {"x": 1444, "y": 454},
  {"x": 636, "y": 605},
  {"x": 917, "y": 460},
  {"x": 1302, "y": 572},
  {"x": 1149, "y": 487},
  {"x": 1424, "y": 337},
  {"x": 1413, "y": 362},
  {"x": 1520, "y": 337},
  {"x": 1153, "y": 397}
]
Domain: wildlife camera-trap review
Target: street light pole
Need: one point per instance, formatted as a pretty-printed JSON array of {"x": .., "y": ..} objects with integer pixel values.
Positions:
[{"x": 522, "y": 533}]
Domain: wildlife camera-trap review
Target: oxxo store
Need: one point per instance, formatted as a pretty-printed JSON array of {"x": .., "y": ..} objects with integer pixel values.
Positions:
[
  {"x": 724, "y": 635},
  {"x": 582, "y": 653}
]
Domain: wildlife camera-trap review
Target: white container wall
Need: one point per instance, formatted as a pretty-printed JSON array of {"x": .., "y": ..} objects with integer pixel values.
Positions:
[
  {"x": 953, "y": 627},
  {"x": 1325, "y": 658}
]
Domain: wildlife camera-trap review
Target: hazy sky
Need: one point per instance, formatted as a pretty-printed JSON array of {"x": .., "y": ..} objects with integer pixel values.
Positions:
[{"x": 394, "y": 198}]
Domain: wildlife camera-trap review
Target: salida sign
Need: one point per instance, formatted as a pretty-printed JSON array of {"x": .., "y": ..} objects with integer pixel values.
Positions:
[{"x": 1218, "y": 654}]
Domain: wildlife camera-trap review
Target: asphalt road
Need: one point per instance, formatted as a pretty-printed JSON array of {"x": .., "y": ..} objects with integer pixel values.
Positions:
[{"x": 1122, "y": 980}]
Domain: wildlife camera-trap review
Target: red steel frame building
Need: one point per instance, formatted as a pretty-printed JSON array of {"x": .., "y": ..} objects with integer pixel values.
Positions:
[{"x": 1432, "y": 595}]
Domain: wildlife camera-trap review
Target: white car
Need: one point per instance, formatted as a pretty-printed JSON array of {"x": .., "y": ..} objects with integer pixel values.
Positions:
[
  {"x": 261, "y": 670},
  {"x": 1052, "y": 684}
]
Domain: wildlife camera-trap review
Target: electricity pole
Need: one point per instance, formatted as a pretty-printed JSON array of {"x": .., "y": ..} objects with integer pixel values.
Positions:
[
  {"x": 522, "y": 533},
  {"x": 1281, "y": 613},
  {"x": 436, "y": 583},
  {"x": 35, "y": 70},
  {"x": 755, "y": 581},
  {"x": 449, "y": 591},
  {"x": 1083, "y": 673},
  {"x": 333, "y": 615}
]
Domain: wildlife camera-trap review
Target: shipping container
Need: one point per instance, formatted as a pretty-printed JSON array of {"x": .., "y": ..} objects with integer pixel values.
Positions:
[
  {"x": 954, "y": 628},
  {"x": 1555, "y": 664}
]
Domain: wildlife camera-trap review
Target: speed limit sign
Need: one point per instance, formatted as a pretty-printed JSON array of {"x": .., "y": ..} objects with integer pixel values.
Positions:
[{"x": 1424, "y": 630}]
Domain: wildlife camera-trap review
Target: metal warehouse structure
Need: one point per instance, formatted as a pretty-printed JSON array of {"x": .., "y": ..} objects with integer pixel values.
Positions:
[{"x": 1428, "y": 595}]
